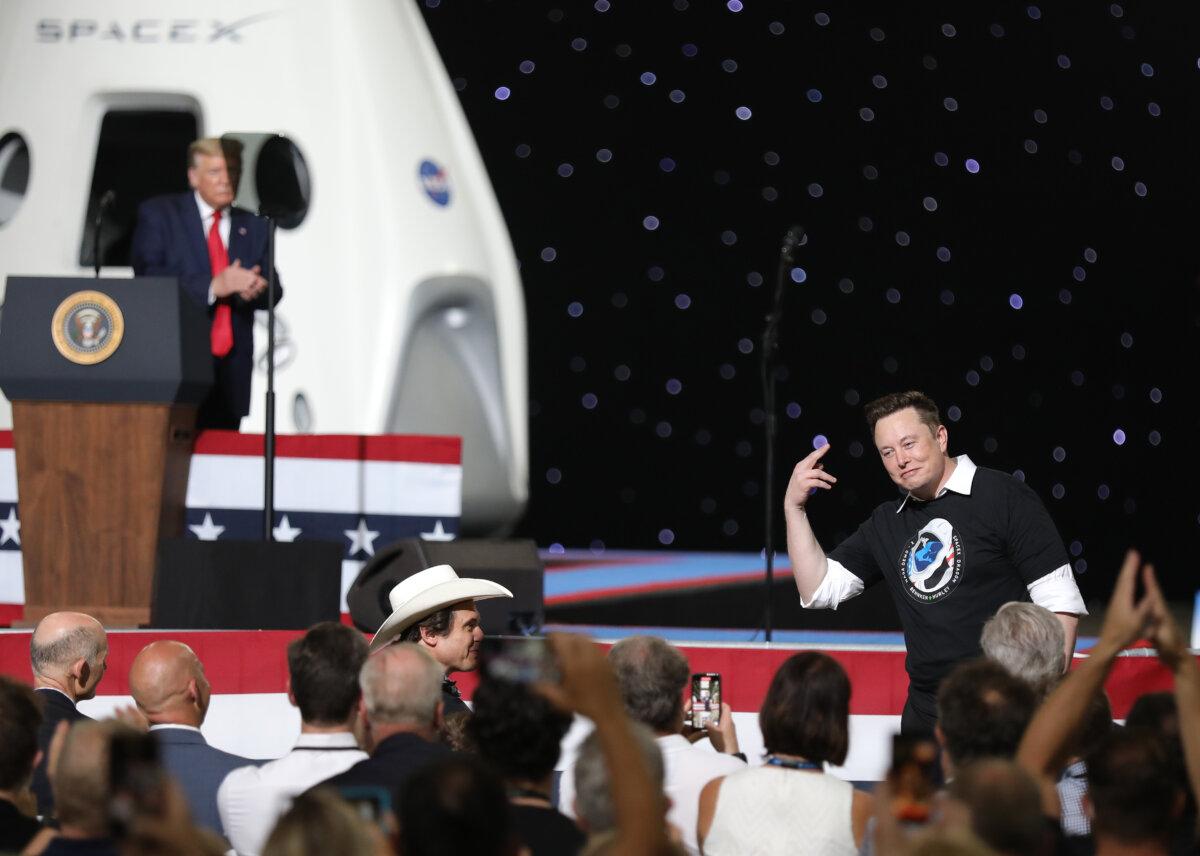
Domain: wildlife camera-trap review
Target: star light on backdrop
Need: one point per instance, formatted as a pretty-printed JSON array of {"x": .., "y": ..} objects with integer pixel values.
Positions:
[
  {"x": 999, "y": 204},
  {"x": 362, "y": 539}
]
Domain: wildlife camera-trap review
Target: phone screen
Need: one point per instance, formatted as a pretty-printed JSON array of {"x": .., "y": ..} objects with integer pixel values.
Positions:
[
  {"x": 136, "y": 781},
  {"x": 372, "y": 805},
  {"x": 522, "y": 660},
  {"x": 706, "y": 699}
]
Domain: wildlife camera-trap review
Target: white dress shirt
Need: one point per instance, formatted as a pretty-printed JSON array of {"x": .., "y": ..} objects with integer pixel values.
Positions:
[
  {"x": 1057, "y": 591},
  {"x": 206, "y": 220},
  {"x": 252, "y": 799}
]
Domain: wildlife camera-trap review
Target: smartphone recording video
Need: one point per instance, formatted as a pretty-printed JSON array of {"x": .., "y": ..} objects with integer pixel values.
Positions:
[
  {"x": 372, "y": 805},
  {"x": 136, "y": 781},
  {"x": 705, "y": 710},
  {"x": 518, "y": 659}
]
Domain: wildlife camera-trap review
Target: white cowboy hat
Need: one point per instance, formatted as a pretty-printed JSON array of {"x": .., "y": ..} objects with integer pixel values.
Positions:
[{"x": 424, "y": 593}]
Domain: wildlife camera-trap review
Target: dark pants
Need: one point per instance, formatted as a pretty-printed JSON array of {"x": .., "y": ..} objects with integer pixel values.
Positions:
[
  {"x": 215, "y": 412},
  {"x": 920, "y": 714}
]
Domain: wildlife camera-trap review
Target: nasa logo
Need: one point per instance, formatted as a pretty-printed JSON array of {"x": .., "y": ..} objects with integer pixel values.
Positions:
[
  {"x": 435, "y": 182},
  {"x": 87, "y": 327},
  {"x": 932, "y": 563}
]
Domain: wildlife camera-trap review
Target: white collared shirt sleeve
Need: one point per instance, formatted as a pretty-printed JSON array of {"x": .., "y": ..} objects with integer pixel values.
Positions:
[
  {"x": 1058, "y": 592},
  {"x": 839, "y": 585}
]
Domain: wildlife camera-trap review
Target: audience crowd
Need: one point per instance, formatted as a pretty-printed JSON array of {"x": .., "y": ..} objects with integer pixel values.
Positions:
[{"x": 1025, "y": 758}]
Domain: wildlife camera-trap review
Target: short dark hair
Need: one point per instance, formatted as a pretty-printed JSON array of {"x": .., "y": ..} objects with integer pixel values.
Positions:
[
  {"x": 807, "y": 709},
  {"x": 438, "y": 624},
  {"x": 324, "y": 665},
  {"x": 516, "y": 731},
  {"x": 651, "y": 674},
  {"x": 1133, "y": 787},
  {"x": 983, "y": 710},
  {"x": 894, "y": 402},
  {"x": 1155, "y": 711},
  {"x": 455, "y": 805},
  {"x": 1005, "y": 803},
  {"x": 1097, "y": 723},
  {"x": 20, "y": 718}
]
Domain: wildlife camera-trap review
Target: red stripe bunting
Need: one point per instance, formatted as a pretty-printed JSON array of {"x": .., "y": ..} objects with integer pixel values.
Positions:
[
  {"x": 255, "y": 662},
  {"x": 413, "y": 448}
]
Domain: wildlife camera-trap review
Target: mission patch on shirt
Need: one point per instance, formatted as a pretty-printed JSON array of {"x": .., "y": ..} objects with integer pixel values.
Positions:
[{"x": 952, "y": 562}]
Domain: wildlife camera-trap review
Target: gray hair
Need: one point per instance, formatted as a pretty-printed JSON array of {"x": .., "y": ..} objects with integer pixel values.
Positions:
[
  {"x": 593, "y": 791},
  {"x": 81, "y": 643},
  {"x": 401, "y": 685},
  {"x": 651, "y": 674},
  {"x": 1028, "y": 641}
]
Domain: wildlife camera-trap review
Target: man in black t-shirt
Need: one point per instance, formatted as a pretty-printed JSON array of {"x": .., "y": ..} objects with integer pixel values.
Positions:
[{"x": 961, "y": 542}]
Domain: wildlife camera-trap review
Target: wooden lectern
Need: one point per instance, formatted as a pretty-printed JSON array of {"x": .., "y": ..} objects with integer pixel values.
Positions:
[{"x": 104, "y": 377}]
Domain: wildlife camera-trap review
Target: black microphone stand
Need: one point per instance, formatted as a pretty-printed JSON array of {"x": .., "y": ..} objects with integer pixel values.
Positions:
[
  {"x": 97, "y": 225},
  {"x": 768, "y": 364},
  {"x": 269, "y": 427}
]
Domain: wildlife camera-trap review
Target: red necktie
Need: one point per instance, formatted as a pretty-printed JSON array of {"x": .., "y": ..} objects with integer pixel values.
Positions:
[{"x": 221, "y": 335}]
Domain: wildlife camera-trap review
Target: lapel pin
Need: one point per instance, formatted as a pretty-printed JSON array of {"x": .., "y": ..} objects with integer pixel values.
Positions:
[{"x": 241, "y": 230}]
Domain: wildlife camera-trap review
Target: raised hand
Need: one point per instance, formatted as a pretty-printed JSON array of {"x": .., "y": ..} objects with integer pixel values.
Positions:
[
  {"x": 808, "y": 476},
  {"x": 1126, "y": 620},
  {"x": 1165, "y": 633}
]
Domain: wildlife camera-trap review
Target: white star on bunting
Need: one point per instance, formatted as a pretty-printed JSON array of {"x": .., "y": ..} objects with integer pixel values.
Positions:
[
  {"x": 285, "y": 531},
  {"x": 10, "y": 528},
  {"x": 362, "y": 538},
  {"x": 207, "y": 531},
  {"x": 438, "y": 534}
]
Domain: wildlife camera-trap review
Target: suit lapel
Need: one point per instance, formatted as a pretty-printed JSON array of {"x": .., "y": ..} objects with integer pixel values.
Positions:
[
  {"x": 239, "y": 235},
  {"x": 193, "y": 228}
]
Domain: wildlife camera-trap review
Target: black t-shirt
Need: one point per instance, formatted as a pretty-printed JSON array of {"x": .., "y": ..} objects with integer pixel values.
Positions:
[
  {"x": 546, "y": 832},
  {"x": 16, "y": 830},
  {"x": 950, "y": 563}
]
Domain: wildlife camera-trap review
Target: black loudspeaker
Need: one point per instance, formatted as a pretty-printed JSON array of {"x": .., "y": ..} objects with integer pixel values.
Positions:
[
  {"x": 246, "y": 585},
  {"x": 513, "y": 564}
]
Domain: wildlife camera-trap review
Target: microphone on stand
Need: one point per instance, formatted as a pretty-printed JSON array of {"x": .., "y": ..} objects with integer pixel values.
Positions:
[
  {"x": 794, "y": 237},
  {"x": 106, "y": 201}
]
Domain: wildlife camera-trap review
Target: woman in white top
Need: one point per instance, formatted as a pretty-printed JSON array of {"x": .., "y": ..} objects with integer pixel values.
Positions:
[{"x": 790, "y": 804}]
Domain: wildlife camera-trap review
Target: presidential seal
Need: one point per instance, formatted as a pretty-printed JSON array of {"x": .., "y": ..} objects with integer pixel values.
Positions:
[
  {"x": 932, "y": 564},
  {"x": 87, "y": 327}
]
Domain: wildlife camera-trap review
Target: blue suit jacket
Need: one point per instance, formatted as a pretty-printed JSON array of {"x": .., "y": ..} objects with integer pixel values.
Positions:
[
  {"x": 199, "y": 769},
  {"x": 169, "y": 241}
]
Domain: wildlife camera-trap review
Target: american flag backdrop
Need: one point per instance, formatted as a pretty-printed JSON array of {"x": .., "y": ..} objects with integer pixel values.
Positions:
[{"x": 361, "y": 492}]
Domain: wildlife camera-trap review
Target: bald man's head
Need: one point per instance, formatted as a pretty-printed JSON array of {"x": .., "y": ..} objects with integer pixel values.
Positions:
[
  {"x": 168, "y": 684},
  {"x": 69, "y": 651}
]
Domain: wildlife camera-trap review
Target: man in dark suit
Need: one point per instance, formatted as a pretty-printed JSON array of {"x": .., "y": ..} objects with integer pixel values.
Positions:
[
  {"x": 218, "y": 252},
  {"x": 168, "y": 684},
  {"x": 68, "y": 653},
  {"x": 402, "y": 703}
]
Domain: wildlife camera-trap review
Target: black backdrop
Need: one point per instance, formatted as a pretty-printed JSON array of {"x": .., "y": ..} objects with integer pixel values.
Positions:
[{"x": 1000, "y": 204}]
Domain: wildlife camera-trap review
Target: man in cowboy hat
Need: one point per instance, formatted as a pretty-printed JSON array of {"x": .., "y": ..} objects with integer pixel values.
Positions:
[{"x": 435, "y": 609}]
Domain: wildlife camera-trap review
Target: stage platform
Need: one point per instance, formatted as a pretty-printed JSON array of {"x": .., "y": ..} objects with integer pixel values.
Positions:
[{"x": 250, "y": 714}]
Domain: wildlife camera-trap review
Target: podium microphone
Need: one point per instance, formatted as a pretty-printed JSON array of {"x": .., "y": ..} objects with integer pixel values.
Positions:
[{"x": 106, "y": 201}]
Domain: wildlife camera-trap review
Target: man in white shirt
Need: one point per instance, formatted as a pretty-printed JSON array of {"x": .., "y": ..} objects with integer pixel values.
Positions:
[
  {"x": 653, "y": 676},
  {"x": 168, "y": 684},
  {"x": 323, "y": 667},
  {"x": 960, "y": 541}
]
